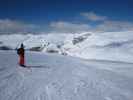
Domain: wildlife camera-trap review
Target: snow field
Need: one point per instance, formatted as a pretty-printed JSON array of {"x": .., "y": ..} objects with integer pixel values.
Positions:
[{"x": 64, "y": 78}]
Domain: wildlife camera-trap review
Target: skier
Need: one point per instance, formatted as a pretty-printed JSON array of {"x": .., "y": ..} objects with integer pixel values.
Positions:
[{"x": 21, "y": 53}]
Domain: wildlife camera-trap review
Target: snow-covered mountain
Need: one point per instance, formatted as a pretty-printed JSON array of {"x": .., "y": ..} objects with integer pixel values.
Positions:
[
  {"x": 104, "y": 73},
  {"x": 116, "y": 46}
]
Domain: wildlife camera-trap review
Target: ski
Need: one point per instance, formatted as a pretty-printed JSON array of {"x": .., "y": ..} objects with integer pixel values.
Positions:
[{"x": 34, "y": 66}]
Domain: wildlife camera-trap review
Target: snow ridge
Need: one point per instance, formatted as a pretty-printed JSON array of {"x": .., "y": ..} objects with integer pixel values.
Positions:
[{"x": 115, "y": 46}]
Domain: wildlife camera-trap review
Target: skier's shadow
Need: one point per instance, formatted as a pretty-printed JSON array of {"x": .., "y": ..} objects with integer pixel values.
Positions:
[{"x": 37, "y": 66}]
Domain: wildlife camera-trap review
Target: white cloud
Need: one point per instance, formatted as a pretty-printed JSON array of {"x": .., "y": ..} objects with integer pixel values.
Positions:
[
  {"x": 93, "y": 16},
  {"x": 105, "y": 26},
  {"x": 110, "y": 25},
  {"x": 67, "y": 27},
  {"x": 12, "y": 26},
  {"x": 106, "y": 23}
]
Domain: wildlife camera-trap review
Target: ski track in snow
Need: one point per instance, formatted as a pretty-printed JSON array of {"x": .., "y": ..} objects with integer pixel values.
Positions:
[{"x": 64, "y": 78}]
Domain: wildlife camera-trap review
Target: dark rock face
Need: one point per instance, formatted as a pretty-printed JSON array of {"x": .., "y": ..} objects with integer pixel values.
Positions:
[
  {"x": 52, "y": 51},
  {"x": 80, "y": 39},
  {"x": 35, "y": 49},
  {"x": 5, "y": 48}
]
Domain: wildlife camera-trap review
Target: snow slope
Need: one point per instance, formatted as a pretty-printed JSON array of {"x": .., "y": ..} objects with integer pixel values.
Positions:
[
  {"x": 64, "y": 78},
  {"x": 115, "y": 46}
]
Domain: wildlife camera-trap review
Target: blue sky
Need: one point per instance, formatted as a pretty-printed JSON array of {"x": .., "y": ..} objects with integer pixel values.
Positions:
[{"x": 50, "y": 15}]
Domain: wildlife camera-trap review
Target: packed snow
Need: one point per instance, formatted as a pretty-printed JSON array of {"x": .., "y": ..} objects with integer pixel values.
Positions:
[
  {"x": 57, "y": 77},
  {"x": 81, "y": 66}
]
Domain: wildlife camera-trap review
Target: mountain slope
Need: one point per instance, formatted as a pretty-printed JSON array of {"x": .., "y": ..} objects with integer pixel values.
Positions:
[
  {"x": 115, "y": 46},
  {"x": 64, "y": 78}
]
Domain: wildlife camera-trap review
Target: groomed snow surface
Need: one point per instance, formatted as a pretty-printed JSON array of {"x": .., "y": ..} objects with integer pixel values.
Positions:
[{"x": 57, "y": 77}]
